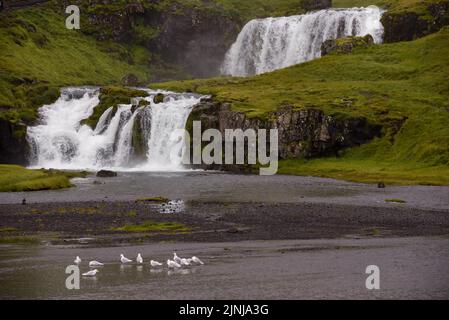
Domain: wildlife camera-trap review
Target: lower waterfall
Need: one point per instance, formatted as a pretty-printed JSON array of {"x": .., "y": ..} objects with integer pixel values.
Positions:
[
  {"x": 269, "y": 44},
  {"x": 126, "y": 137}
]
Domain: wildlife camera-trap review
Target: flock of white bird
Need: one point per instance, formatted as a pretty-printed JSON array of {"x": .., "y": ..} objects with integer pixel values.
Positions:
[{"x": 176, "y": 263}]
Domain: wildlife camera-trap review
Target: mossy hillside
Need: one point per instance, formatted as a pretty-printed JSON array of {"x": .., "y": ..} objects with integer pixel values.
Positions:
[
  {"x": 393, "y": 6},
  {"x": 403, "y": 86},
  {"x": 39, "y": 55},
  {"x": 17, "y": 178}
]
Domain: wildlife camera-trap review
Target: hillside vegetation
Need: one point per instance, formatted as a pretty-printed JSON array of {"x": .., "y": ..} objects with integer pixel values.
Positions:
[{"x": 403, "y": 86}]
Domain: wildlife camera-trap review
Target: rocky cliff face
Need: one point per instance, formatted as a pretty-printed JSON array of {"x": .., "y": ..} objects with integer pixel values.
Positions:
[
  {"x": 406, "y": 26},
  {"x": 13, "y": 144},
  {"x": 196, "y": 39},
  {"x": 302, "y": 133},
  {"x": 310, "y": 5}
]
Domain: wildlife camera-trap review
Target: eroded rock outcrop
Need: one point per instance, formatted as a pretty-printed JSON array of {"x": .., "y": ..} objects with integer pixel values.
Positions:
[
  {"x": 409, "y": 25},
  {"x": 303, "y": 133},
  {"x": 13, "y": 144},
  {"x": 345, "y": 45}
]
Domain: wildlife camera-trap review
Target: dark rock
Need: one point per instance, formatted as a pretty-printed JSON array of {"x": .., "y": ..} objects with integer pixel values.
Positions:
[
  {"x": 106, "y": 174},
  {"x": 406, "y": 26},
  {"x": 310, "y": 5},
  {"x": 381, "y": 185},
  {"x": 159, "y": 98},
  {"x": 130, "y": 80},
  {"x": 345, "y": 45},
  {"x": 13, "y": 143},
  {"x": 303, "y": 133},
  {"x": 197, "y": 40}
]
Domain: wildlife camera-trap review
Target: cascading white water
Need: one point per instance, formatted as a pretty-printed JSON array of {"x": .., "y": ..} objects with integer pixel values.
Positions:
[
  {"x": 266, "y": 45},
  {"x": 61, "y": 140}
]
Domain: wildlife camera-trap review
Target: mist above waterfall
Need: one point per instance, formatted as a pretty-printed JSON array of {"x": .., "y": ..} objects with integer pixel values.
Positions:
[
  {"x": 126, "y": 137},
  {"x": 269, "y": 44}
]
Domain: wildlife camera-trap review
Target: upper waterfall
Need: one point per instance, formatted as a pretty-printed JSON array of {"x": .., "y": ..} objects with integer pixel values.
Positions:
[
  {"x": 126, "y": 137},
  {"x": 269, "y": 44}
]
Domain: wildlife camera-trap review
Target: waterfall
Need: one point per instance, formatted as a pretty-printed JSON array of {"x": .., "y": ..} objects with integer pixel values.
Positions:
[
  {"x": 266, "y": 45},
  {"x": 126, "y": 137}
]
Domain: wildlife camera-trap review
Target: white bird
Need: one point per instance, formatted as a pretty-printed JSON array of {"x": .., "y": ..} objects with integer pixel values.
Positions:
[
  {"x": 90, "y": 273},
  {"x": 173, "y": 264},
  {"x": 95, "y": 264},
  {"x": 176, "y": 258},
  {"x": 185, "y": 262},
  {"x": 123, "y": 259},
  {"x": 196, "y": 260},
  {"x": 139, "y": 259},
  {"x": 77, "y": 260},
  {"x": 155, "y": 263}
]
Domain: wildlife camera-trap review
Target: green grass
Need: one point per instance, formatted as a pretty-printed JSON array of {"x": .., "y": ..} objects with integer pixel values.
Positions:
[
  {"x": 402, "y": 86},
  {"x": 8, "y": 229},
  {"x": 19, "y": 240},
  {"x": 39, "y": 55},
  {"x": 17, "y": 178},
  {"x": 368, "y": 171},
  {"x": 154, "y": 199},
  {"x": 419, "y": 6},
  {"x": 150, "y": 226}
]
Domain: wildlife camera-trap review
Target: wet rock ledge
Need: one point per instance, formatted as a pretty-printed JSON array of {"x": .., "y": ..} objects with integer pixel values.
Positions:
[{"x": 303, "y": 133}]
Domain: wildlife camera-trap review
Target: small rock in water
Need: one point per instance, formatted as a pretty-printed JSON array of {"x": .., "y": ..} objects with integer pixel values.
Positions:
[
  {"x": 106, "y": 174},
  {"x": 159, "y": 98},
  {"x": 381, "y": 185},
  {"x": 24, "y": 201}
]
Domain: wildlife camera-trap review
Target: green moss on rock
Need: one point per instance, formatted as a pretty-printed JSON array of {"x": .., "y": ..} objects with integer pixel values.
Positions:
[{"x": 111, "y": 96}]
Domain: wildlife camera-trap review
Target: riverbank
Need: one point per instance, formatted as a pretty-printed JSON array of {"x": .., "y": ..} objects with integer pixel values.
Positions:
[
  {"x": 113, "y": 223},
  {"x": 16, "y": 178}
]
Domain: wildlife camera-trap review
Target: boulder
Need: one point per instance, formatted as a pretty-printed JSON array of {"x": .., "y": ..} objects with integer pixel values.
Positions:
[
  {"x": 130, "y": 80},
  {"x": 345, "y": 45},
  {"x": 159, "y": 98},
  {"x": 106, "y": 174}
]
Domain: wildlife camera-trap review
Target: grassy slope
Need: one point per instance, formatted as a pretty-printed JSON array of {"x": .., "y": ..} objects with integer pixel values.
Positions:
[
  {"x": 34, "y": 64},
  {"x": 391, "y": 5},
  {"x": 387, "y": 83},
  {"x": 17, "y": 178}
]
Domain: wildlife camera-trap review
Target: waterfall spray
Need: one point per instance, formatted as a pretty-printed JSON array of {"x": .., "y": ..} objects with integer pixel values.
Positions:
[
  {"x": 266, "y": 45},
  {"x": 61, "y": 140}
]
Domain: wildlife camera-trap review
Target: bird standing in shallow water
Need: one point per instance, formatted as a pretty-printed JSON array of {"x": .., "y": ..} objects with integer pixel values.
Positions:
[
  {"x": 123, "y": 259},
  {"x": 197, "y": 260},
  {"x": 154, "y": 263},
  {"x": 139, "y": 259},
  {"x": 77, "y": 260},
  {"x": 176, "y": 258},
  {"x": 185, "y": 262},
  {"x": 173, "y": 264},
  {"x": 90, "y": 273},
  {"x": 95, "y": 264}
]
